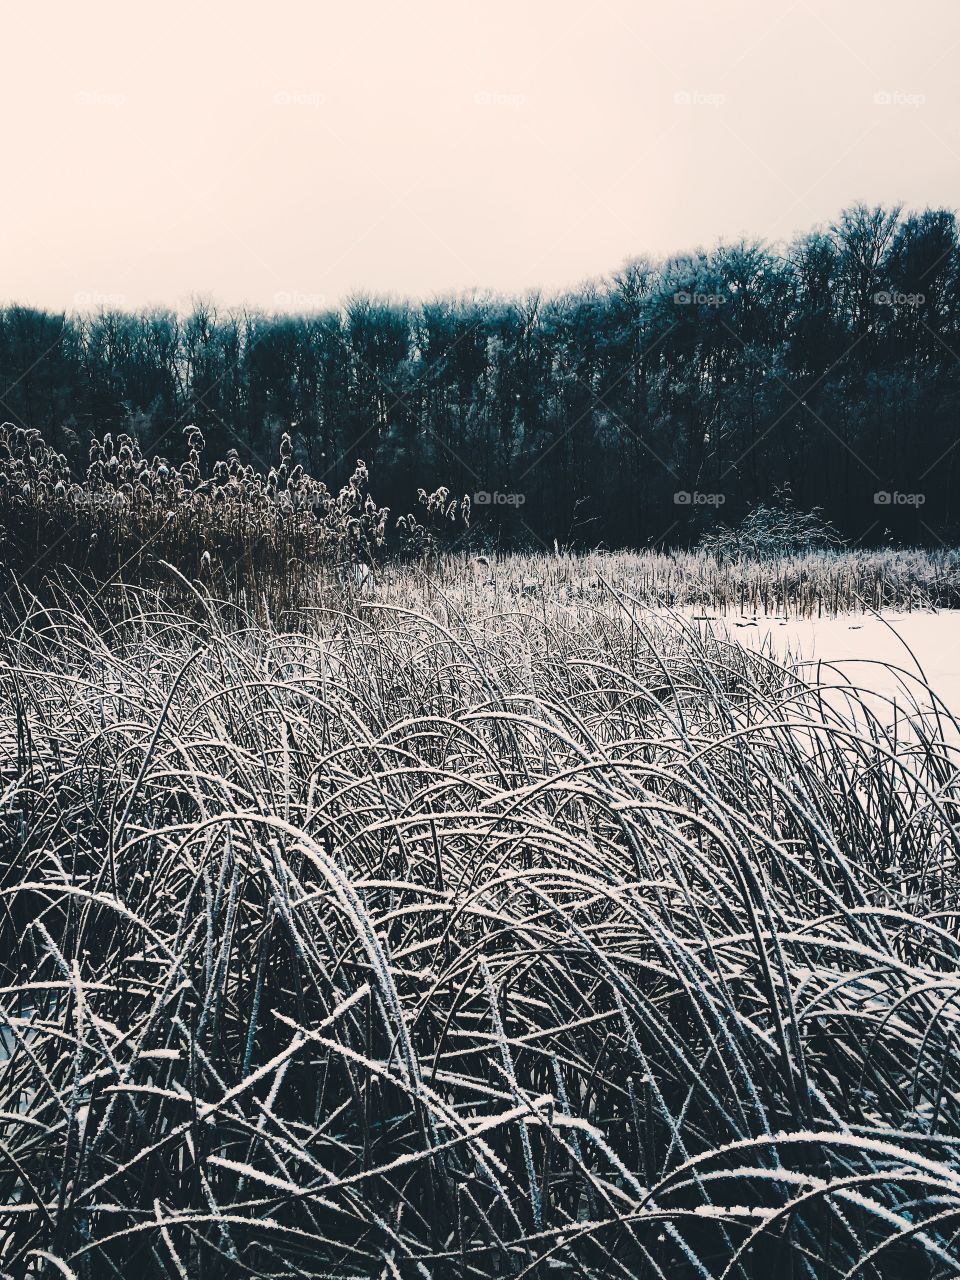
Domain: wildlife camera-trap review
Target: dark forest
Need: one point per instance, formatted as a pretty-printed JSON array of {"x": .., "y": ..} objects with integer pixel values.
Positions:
[{"x": 634, "y": 411}]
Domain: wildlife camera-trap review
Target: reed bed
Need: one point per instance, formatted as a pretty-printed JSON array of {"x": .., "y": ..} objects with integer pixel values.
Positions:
[
  {"x": 267, "y": 535},
  {"x": 279, "y": 539},
  {"x": 421, "y": 938},
  {"x": 814, "y": 584}
]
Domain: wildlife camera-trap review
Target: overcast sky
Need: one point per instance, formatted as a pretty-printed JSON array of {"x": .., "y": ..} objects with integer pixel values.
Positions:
[{"x": 290, "y": 153}]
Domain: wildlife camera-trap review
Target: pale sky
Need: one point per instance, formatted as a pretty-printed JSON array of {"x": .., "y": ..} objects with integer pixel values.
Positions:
[{"x": 287, "y": 154}]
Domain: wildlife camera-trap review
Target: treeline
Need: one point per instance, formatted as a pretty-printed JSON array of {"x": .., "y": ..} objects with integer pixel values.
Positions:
[{"x": 634, "y": 410}]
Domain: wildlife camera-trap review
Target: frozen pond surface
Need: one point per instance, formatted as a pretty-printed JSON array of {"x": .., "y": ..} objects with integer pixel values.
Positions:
[{"x": 864, "y": 649}]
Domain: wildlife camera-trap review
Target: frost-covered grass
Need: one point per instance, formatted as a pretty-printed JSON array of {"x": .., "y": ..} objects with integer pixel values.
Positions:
[
  {"x": 466, "y": 933},
  {"x": 815, "y": 584}
]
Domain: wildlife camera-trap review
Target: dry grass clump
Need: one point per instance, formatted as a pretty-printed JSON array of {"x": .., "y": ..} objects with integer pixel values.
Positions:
[
  {"x": 246, "y": 533},
  {"x": 460, "y": 943}
]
